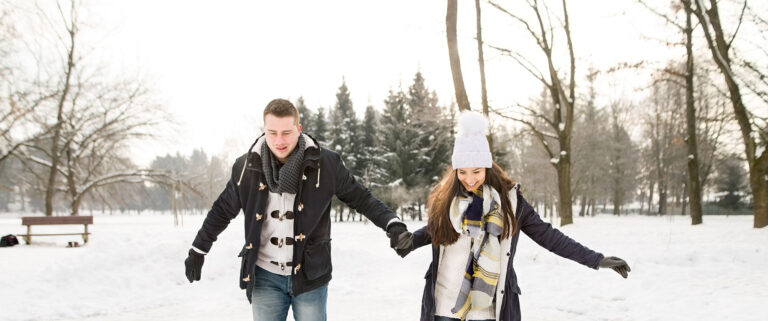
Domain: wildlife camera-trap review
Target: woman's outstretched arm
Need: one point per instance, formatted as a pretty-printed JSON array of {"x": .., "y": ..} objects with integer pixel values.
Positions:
[{"x": 552, "y": 239}]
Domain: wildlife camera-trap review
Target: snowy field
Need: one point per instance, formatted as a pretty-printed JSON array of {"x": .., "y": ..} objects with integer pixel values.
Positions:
[{"x": 132, "y": 269}]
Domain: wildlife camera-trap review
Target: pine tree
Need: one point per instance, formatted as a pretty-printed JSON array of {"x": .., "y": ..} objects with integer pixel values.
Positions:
[
  {"x": 343, "y": 138},
  {"x": 305, "y": 115},
  {"x": 371, "y": 149},
  {"x": 397, "y": 139},
  {"x": 433, "y": 143},
  {"x": 320, "y": 126},
  {"x": 343, "y": 135}
]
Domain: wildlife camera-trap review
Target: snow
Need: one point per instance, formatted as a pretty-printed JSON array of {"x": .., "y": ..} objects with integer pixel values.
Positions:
[
  {"x": 690, "y": 156},
  {"x": 561, "y": 126},
  {"x": 563, "y": 153},
  {"x": 554, "y": 160},
  {"x": 132, "y": 269}
]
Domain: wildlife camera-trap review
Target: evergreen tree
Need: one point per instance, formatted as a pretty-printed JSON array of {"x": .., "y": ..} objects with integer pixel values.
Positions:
[
  {"x": 398, "y": 140},
  {"x": 343, "y": 135},
  {"x": 343, "y": 138},
  {"x": 433, "y": 145},
  {"x": 320, "y": 126},
  {"x": 731, "y": 180},
  {"x": 371, "y": 149},
  {"x": 305, "y": 115}
]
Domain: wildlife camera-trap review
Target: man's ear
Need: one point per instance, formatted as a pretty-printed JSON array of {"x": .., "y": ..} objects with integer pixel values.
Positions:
[{"x": 299, "y": 128}]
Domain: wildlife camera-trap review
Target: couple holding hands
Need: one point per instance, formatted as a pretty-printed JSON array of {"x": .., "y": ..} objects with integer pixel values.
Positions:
[{"x": 284, "y": 185}]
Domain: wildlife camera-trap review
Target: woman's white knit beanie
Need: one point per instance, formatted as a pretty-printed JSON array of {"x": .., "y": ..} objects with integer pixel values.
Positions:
[{"x": 471, "y": 146}]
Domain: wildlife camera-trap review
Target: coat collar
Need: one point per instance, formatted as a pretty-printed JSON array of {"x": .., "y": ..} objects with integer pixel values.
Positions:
[{"x": 311, "y": 151}]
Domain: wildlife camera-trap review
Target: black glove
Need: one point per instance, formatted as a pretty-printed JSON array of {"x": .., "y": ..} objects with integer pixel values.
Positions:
[
  {"x": 194, "y": 265},
  {"x": 617, "y": 264},
  {"x": 400, "y": 239}
]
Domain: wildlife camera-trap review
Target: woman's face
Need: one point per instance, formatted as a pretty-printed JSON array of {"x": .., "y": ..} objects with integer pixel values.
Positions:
[{"x": 471, "y": 178}]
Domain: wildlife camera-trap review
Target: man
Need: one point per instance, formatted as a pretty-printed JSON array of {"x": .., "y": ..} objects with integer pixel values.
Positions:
[{"x": 284, "y": 185}]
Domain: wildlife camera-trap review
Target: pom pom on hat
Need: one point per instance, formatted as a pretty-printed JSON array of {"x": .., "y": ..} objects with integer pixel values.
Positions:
[
  {"x": 472, "y": 124},
  {"x": 471, "y": 147}
]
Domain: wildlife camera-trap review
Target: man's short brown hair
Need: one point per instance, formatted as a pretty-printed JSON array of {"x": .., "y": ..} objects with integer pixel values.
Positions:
[{"x": 281, "y": 108}]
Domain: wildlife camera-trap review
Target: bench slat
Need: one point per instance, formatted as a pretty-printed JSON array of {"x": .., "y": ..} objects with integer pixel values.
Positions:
[
  {"x": 51, "y": 234},
  {"x": 56, "y": 220}
]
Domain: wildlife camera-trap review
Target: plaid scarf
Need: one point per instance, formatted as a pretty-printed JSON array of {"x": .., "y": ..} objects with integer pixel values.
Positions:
[
  {"x": 283, "y": 178},
  {"x": 483, "y": 222}
]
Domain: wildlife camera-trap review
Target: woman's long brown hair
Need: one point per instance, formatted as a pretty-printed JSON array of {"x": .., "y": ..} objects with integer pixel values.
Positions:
[{"x": 439, "y": 224}]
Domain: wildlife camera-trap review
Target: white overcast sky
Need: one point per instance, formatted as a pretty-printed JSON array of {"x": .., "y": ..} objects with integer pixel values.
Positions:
[{"x": 216, "y": 64}]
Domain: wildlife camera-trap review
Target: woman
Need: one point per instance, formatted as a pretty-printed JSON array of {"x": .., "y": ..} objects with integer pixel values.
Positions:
[{"x": 475, "y": 213}]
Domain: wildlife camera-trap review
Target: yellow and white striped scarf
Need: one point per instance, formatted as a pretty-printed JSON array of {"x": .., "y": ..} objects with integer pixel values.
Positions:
[{"x": 483, "y": 264}]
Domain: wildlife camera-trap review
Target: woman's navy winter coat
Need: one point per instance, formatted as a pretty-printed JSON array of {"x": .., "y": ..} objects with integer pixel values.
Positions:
[{"x": 507, "y": 302}]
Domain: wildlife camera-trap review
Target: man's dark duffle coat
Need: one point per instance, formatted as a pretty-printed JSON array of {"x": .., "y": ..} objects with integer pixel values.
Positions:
[
  {"x": 324, "y": 175},
  {"x": 507, "y": 291}
]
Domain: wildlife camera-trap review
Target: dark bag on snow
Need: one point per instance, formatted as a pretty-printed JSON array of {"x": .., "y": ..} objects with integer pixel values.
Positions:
[{"x": 8, "y": 240}]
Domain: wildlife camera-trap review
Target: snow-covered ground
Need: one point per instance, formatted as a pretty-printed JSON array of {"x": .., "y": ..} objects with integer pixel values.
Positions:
[{"x": 132, "y": 269}]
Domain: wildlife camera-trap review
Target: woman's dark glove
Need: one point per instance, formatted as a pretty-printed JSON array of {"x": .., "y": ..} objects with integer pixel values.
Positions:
[
  {"x": 617, "y": 264},
  {"x": 400, "y": 239},
  {"x": 194, "y": 265}
]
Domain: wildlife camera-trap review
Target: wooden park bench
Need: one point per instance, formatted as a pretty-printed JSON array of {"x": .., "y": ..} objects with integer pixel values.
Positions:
[{"x": 55, "y": 220}]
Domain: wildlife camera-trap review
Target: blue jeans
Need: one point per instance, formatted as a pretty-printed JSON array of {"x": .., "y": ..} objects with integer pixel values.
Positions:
[
  {"x": 439, "y": 318},
  {"x": 272, "y": 295}
]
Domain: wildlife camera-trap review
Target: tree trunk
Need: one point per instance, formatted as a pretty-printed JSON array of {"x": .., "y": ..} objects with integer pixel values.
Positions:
[
  {"x": 419, "y": 205},
  {"x": 650, "y": 198},
  {"x": 616, "y": 201},
  {"x": 685, "y": 198},
  {"x": 453, "y": 55},
  {"x": 71, "y": 186},
  {"x": 564, "y": 186},
  {"x": 481, "y": 61},
  {"x": 759, "y": 196},
  {"x": 662, "y": 200},
  {"x": 694, "y": 184},
  {"x": 75, "y": 205},
  {"x": 51, "y": 186},
  {"x": 719, "y": 48}
]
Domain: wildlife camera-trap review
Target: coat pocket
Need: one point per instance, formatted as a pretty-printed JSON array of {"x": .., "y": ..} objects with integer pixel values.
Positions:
[
  {"x": 244, "y": 278},
  {"x": 317, "y": 259}
]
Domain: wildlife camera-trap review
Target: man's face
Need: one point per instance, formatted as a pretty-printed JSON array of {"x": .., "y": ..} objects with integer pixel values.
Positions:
[{"x": 282, "y": 135}]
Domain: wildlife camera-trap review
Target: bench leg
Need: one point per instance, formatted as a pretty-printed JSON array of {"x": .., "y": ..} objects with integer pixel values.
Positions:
[
  {"x": 27, "y": 238},
  {"x": 85, "y": 236}
]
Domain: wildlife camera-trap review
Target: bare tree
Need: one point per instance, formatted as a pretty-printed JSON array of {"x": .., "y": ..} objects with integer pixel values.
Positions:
[
  {"x": 694, "y": 183},
  {"x": 753, "y": 133},
  {"x": 664, "y": 124},
  {"x": 96, "y": 117},
  {"x": 453, "y": 54},
  {"x": 589, "y": 150},
  {"x": 622, "y": 168},
  {"x": 481, "y": 62},
  {"x": 19, "y": 99},
  {"x": 562, "y": 93},
  {"x": 69, "y": 21}
]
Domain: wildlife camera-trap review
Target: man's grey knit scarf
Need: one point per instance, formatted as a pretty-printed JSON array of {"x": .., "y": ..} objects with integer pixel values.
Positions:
[{"x": 285, "y": 178}]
